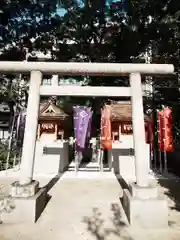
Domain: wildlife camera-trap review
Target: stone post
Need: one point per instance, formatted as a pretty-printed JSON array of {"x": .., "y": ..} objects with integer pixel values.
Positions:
[
  {"x": 55, "y": 80},
  {"x": 27, "y": 160},
  {"x": 140, "y": 147}
]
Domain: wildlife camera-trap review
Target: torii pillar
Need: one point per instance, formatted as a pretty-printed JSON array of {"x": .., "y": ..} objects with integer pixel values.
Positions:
[{"x": 141, "y": 202}]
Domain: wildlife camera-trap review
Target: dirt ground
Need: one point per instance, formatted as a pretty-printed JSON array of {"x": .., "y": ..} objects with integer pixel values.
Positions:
[{"x": 90, "y": 210}]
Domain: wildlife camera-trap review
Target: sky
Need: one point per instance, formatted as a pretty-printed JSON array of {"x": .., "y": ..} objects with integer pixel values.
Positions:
[{"x": 61, "y": 11}]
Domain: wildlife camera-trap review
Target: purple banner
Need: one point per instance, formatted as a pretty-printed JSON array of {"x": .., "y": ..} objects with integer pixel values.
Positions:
[{"x": 82, "y": 119}]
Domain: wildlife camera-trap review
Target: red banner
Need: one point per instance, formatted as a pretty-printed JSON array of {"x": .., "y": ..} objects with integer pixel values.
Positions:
[
  {"x": 160, "y": 120},
  {"x": 105, "y": 137},
  {"x": 168, "y": 136}
]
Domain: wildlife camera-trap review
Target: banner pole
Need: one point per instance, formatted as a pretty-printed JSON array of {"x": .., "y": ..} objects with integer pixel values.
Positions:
[
  {"x": 76, "y": 161},
  {"x": 160, "y": 162},
  {"x": 165, "y": 163}
]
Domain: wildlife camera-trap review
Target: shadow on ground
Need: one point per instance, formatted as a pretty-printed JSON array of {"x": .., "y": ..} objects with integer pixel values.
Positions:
[
  {"x": 52, "y": 182},
  {"x": 171, "y": 183},
  {"x": 96, "y": 224},
  {"x": 48, "y": 187},
  {"x": 172, "y": 190}
]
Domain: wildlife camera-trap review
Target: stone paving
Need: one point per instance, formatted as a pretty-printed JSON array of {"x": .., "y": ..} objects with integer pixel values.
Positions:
[{"x": 89, "y": 209}]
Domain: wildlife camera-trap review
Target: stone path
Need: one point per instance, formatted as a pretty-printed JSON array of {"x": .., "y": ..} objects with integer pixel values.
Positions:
[{"x": 87, "y": 210}]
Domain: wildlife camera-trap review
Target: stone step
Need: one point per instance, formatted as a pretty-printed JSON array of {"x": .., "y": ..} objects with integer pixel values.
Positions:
[{"x": 88, "y": 169}]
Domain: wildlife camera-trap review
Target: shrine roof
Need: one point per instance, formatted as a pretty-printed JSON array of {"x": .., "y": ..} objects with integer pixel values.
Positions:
[
  {"x": 122, "y": 112},
  {"x": 50, "y": 110}
]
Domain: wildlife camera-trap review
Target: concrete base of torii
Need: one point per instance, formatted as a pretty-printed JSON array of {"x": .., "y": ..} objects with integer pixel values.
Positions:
[
  {"x": 144, "y": 208},
  {"x": 142, "y": 205},
  {"x": 26, "y": 203}
]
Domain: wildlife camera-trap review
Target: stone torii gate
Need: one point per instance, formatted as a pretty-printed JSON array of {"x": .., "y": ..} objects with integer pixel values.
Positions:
[{"x": 140, "y": 201}]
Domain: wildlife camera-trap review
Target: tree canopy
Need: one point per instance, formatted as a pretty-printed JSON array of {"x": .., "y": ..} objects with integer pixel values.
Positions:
[{"x": 90, "y": 30}]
